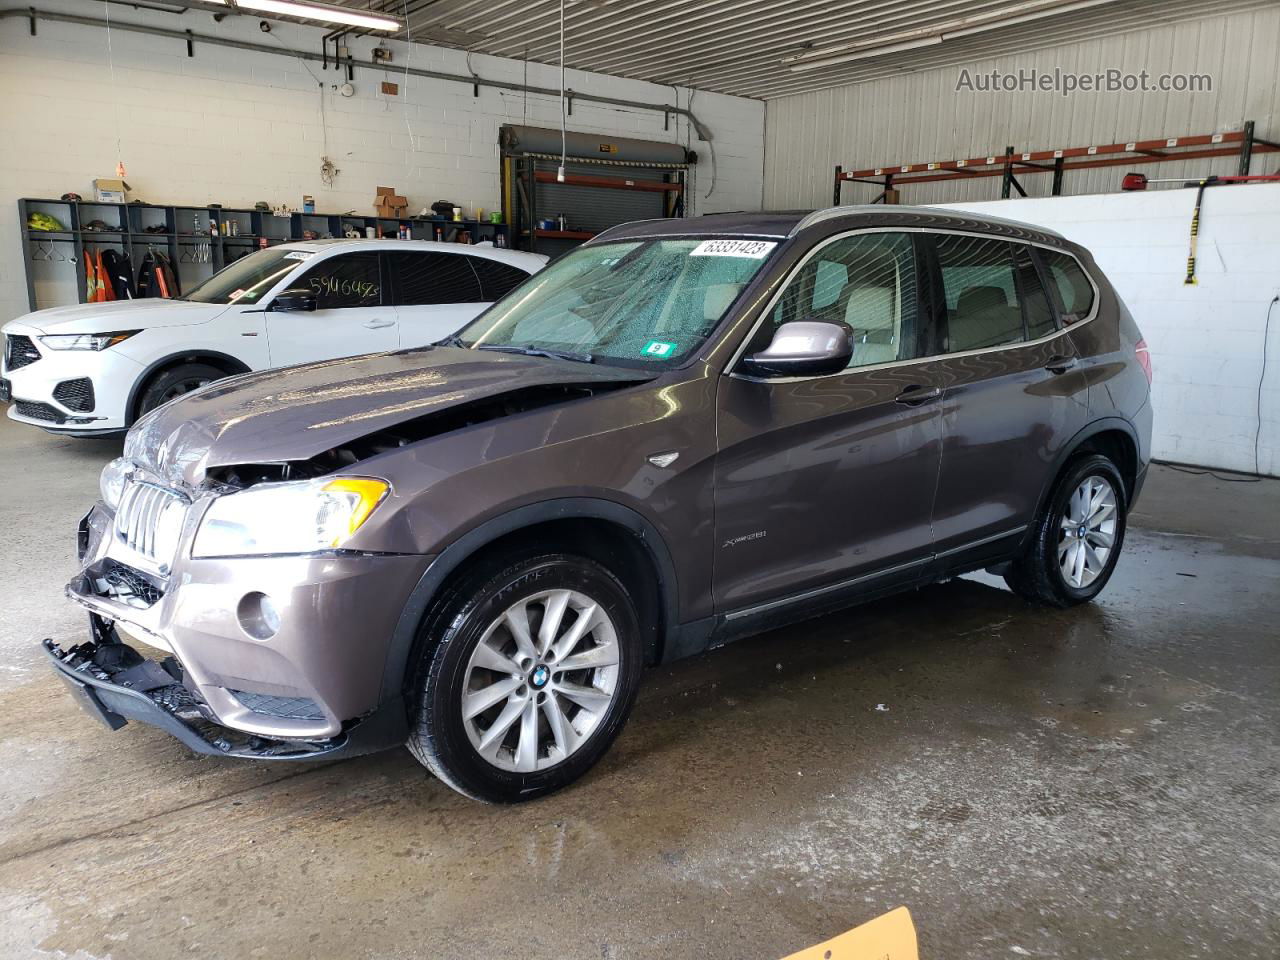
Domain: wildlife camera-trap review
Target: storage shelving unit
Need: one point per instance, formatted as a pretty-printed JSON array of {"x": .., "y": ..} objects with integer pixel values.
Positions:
[
  {"x": 55, "y": 258},
  {"x": 1011, "y": 163}
]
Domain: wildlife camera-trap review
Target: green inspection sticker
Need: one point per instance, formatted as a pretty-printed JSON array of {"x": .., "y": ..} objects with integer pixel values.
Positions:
[{"x": 659, "y": 348}]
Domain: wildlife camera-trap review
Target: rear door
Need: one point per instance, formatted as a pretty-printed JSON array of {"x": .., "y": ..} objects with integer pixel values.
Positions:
[
  {"x": 1014, "y": 392},
  {"x": 435, "y": 293},
  {"x": 823, "y": 480},
  {"x": 352, "y": 316}
]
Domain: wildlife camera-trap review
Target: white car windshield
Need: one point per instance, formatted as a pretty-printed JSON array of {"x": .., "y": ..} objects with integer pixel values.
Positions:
[
  {"x": 248, "y": 279},
  {"x": 631, "y": 303}
]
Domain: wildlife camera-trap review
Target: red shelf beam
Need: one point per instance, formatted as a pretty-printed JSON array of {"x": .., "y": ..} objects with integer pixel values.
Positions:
[{"x": 609, "y": 183}]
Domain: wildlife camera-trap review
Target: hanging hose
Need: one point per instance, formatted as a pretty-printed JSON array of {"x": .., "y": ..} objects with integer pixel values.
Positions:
[{"x": 563, "y": 136}]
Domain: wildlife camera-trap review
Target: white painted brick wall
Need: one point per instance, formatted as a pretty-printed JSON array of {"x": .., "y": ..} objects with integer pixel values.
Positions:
[
  {"x": 1206, "y": 340},
  {"x": 234, "y": 127}
]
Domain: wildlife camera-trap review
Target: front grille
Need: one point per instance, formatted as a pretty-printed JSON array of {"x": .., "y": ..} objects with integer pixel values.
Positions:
[
  {"x": 287, "y": 708},
  {"x": 19, "y": 351},
  {"x": 75, "y": 394},
  {"x": 124, "y": 583},
  {"x": 149, "y": 520},
  {"x": 37, "y": 411}
]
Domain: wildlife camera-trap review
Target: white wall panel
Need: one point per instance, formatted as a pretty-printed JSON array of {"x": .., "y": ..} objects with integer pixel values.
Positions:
[{"x": 919, "y": 117}]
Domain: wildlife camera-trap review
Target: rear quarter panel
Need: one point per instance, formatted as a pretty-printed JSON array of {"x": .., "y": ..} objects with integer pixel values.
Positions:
[{"x": 1117, "y": 385}]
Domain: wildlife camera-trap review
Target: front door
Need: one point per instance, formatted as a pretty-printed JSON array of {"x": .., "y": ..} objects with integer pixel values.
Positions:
[
  {"x": 825, "y": 480},
  {"x": 352, "y": 316},
  {"x": 1014, "y": 394}
]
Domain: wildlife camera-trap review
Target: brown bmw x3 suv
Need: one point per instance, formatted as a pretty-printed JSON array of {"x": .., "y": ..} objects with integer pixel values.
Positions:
[{"x": 680, "y": 433}]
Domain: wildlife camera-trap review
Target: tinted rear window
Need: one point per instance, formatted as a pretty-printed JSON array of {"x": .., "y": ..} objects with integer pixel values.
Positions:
[
  {"x": 1069, "y": 284},
  {"x": 427, "y": 278},
  {"x": 497, "y": 279}
]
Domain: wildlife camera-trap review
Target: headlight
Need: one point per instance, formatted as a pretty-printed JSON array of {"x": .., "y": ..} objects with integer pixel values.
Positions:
[
  {"x": 86, "y": 341},
  {"x": 112, "y": 480},
  {"x": 297, "y": 517}
]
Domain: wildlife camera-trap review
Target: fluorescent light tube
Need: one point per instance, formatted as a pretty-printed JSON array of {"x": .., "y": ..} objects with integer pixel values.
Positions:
[
  {"x": 321, "y": 11},
  {"x": 865, "y": 54}
]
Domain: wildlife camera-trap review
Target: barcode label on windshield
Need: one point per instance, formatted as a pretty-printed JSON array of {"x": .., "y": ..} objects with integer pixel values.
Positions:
[{"x": 753, "y": 249}]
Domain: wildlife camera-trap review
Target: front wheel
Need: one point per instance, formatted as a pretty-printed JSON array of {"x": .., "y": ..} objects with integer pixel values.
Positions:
[
  {"x": 1077, "y": 539},
  {"x": 527, "y": 676},
  {"x": 174, "y": 382}
]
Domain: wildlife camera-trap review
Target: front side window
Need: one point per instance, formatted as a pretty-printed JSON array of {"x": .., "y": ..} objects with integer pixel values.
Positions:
[
  {"x": 425, "y": 278},
  {"x": 344, "y": 281},
  {"x": 866, "y": 281},
  {"x": 631, "y": 303},
  {"x": 249, "y": 278},
  {"x": 980, "y": 282},
  {"x": 1069, "y": 284}
]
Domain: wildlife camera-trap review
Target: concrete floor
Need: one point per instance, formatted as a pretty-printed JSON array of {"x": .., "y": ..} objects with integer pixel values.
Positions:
[{"x": 1099, "y": 782}]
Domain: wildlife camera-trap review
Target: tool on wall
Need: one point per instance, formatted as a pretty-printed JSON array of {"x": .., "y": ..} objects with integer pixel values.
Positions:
[
  {"x": 1190, "y": 279},
  {"x": 1139, "y": 181}
]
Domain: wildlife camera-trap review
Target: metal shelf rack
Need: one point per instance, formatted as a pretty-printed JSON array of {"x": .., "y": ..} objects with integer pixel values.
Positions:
[
  {"x": 187, "y": 226},
  {"x": 1011, "y": 163}
]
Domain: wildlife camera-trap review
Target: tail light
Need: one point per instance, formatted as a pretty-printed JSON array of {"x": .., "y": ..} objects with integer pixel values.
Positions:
[
  {"x": 1143, "y": 355},
  {"x": 1134, "y": 181}
]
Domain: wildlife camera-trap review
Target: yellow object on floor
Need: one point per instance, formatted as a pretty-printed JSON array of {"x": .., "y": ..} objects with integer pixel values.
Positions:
[{"x": 888, "y": 937}]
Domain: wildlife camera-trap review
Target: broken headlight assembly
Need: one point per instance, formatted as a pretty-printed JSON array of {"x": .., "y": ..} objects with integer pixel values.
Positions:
[
  {"x": 112, "y": 480},
  {"x": 305, "y": 516}
]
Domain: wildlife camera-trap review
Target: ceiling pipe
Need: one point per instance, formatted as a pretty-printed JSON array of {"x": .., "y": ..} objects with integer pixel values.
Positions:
[{"x": 29, "y": 13}]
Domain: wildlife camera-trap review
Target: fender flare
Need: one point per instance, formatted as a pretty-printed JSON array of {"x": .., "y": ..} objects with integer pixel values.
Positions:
[
  {"x": 1069, "y": 450},
  {"x": 459, "y": 551},
  {"x": 194, "y": 355}
]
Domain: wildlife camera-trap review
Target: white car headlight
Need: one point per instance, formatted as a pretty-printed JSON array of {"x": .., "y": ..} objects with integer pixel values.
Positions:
[
  {"x": 86, "y": 341},
  {"x": 112, "y": 480},
  {"x": 302, "y": 516}
]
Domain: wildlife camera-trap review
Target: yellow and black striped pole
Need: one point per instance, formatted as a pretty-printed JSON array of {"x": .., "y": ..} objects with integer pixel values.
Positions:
[{"x": 1190, "y": 280}]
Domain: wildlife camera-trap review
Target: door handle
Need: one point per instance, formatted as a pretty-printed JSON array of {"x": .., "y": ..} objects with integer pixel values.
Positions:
[
  {"x": 1060, "y": 364},
  {"x": 917, "y": 394},
  {"x": 376, "y": 324}
]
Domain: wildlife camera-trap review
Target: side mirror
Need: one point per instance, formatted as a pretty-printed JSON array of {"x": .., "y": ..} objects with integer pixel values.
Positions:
[
  {"x": 294, "y": 300},
  {"x": 803, "y": 348}
]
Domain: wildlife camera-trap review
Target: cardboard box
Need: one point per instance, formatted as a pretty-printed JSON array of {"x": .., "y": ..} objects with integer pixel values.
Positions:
[
  {"x": 388, "y": 203},
  {"x": 110, "y": 191}
]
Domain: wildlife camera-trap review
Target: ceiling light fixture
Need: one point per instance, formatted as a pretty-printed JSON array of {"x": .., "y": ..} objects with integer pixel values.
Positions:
[
  {"x": 1017, "y": 13},
  {"x": 866, "y": 54},
  {"x": 323, "y": 12}
]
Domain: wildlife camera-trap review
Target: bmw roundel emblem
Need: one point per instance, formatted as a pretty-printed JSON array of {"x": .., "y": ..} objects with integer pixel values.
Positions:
[{"x": 539, "y": 677}]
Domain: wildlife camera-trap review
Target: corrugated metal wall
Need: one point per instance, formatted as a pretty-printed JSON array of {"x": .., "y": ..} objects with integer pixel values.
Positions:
[{"x": 920, "y": 117}]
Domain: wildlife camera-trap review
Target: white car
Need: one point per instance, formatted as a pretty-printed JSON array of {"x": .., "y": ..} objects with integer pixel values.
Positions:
[{"x": 93, "y": 369}]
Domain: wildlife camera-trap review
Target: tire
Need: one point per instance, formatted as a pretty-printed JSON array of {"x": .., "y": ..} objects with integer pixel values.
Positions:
[
  {"x": 174, "y": 382},
  {"x": 1039, "y": 575},
  {"x": 477, "y": 755}
]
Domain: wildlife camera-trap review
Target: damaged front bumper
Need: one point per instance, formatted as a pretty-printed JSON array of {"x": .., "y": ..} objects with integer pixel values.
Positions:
[
  {"x": 314, "y": 687},
  {"x": 114, "y": 683}
]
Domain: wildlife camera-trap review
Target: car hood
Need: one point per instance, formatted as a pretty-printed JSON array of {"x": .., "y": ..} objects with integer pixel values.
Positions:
[
  {"x": 120, "y": 315},
  {"x": 297, "y": 413}
]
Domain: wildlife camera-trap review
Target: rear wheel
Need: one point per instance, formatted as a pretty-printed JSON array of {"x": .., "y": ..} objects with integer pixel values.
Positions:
[
  {"x": 1077, "y": 539},
  {"x": 527, "y": 675},
  {"x": 172, "y": 383}
]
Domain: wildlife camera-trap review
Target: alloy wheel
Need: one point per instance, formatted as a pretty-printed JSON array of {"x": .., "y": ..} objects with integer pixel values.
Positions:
[
  {"x": 1088, "y": 532},
  {"x": 184, "y": 386},
  {"x": 540, "y": 681}
]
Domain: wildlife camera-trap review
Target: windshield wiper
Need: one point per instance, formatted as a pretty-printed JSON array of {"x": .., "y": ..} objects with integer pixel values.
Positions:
[
  {"x": 539, "y": 352},
  {"x": 453, "y": 341}
]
